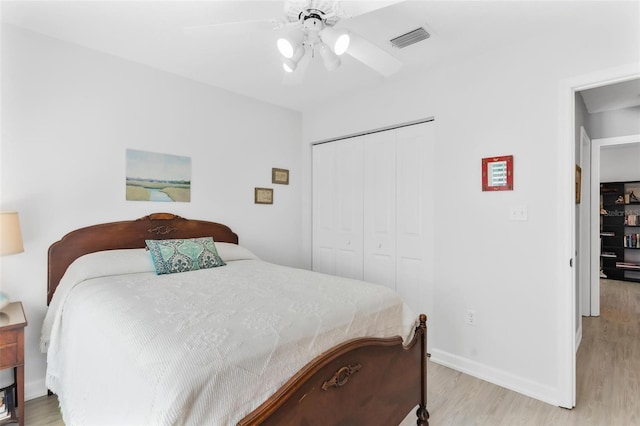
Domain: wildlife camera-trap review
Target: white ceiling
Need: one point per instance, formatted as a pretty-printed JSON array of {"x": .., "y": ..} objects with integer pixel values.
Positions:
[
  {"x": 244, "y": 59},
  {"x": 614, "y": 96}
]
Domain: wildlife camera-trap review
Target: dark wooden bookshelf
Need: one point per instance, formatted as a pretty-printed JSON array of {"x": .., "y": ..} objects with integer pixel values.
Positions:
[{"x": 619, "y": 227}]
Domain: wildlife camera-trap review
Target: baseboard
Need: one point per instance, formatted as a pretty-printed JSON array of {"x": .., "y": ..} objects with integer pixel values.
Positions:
[
  {"x": 34, "y": 389},
  {"x": 496, "y": 376}
]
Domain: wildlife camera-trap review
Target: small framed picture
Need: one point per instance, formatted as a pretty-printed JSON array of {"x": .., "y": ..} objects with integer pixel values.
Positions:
[
  {"x": 497, "y": 173},
  {"x": 280, "y": 176},
  {"x": 263, "y": 196}
]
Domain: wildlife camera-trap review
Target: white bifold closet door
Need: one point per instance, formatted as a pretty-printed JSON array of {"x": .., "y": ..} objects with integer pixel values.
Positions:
[
  {"x": 415, "y": 215},
  {"x": 373, "y": 214},
  {"x": 379, "y": 217},
  {"x": 337, "y": 213},
  {"x": 324, "y": 222},
  {"x": 348, "y": 199}
]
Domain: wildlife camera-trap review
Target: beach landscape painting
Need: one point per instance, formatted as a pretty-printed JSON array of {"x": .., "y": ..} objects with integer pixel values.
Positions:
[{"x": 152, "y": 176}]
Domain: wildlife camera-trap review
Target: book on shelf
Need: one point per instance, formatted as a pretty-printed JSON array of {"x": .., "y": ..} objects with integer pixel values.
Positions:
[
  {"x": 608, "y": 254},
  {"x": 607, "y": 234},
  {"x": 631, "y": 241}
]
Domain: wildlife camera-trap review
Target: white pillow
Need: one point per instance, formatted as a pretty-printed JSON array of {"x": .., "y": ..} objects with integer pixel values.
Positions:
[
  {"x": 230, "y": 252},
  {"x": 110, "y": 262}
]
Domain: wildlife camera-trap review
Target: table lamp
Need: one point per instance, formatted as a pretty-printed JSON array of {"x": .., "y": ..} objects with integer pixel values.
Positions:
[{"x": 10, "y": 241}]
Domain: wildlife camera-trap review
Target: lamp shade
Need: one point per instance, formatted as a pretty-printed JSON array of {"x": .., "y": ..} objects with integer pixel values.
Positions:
[
  {"x": 290, "y": 64},
  {"x": 10, "y": 235},
  {"x": 289, "y": 43},
  {"x": 337, "y": 40},
  {"x": 331, "y": 60}
]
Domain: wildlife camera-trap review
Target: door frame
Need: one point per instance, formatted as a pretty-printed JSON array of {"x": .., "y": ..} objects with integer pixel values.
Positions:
[
  {"x": 596, "y": 149},
  {"x": 565, "y": 197},
  {"x": 584, "y": 228}
]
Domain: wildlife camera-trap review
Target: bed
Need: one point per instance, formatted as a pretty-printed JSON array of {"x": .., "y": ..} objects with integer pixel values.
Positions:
[{"x": 246, "y": 343}]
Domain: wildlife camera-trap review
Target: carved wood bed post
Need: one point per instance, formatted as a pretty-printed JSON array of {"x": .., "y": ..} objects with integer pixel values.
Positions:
[{"x": 422, "y": 413}]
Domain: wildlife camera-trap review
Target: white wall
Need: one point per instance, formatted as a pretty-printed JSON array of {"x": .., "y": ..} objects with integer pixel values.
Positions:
[
  {"x": 496, "y": 102},
  {"x": 69, "y": 114},
  {"x": 620, "y": 122},
  {"x": 620, "y": 163}
]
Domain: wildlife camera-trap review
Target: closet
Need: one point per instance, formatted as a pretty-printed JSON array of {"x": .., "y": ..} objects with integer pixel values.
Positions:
[{"x": 373, "y": 210}]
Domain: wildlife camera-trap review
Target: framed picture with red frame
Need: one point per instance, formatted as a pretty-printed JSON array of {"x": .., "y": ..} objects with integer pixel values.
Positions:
[{"x": 497, "y": 173}]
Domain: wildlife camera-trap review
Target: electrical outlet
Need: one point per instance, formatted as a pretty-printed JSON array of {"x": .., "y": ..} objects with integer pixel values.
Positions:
[{"x": 471, "y": 317}]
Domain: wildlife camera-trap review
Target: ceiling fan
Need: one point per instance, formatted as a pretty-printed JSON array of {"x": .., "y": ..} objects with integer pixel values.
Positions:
[{"x": 311, "y": 28}]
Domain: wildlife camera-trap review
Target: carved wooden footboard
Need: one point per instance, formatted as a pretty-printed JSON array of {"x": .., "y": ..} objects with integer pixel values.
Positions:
[{"x": 365, "y": 381}]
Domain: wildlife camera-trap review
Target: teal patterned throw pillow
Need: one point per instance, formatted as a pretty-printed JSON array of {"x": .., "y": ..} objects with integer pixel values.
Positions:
[{"x": 171, "y": 256}]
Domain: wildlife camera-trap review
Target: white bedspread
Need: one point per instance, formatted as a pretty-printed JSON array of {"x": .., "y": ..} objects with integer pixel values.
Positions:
[{"x": 203, "y": 347}]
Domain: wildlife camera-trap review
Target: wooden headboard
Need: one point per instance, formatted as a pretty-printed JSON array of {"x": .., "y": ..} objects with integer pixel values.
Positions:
[{"x": 126, "y": 235}]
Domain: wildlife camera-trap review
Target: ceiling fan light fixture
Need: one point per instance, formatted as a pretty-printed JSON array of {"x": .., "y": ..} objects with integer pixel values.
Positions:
[
  {"x": 342, "y": 44},
  {"x": 298, "y": 54},
  {"x": 288, "y": 43},
  {"x": 287, "y": 66},
  {"x": 290, "y": 64},
  {"x": 285, "y": 47},
  {"x": 331, "y": 60},
  {"x": 337, "y": 39}
]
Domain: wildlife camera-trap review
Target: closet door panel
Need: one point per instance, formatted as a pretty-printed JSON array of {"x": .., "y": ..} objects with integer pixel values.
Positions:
[
  {"x": 374, "y": 215},
  {"x": 324, "y": 212},
  {"x": 415, "y": 215},
  {"x": 348, "y": 191},
  {"x": 380, "y": 208}
]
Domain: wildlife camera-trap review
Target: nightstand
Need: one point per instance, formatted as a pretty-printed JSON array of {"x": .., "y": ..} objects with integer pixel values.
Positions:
[{"x": 12, "y": 324}]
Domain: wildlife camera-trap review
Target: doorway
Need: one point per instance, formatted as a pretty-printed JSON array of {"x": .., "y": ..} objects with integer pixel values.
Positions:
[
  {"x": 569, "y": 290},
  {"x": 607, "y": 112},
  {"x": 597, "y": 146}
]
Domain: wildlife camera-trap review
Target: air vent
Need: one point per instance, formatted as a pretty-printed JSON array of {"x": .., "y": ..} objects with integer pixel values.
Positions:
[{"x": 410, "y": 38}]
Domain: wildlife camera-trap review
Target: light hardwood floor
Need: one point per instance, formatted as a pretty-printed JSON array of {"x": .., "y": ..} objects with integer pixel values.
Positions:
[{"x": 608, "y": 380}]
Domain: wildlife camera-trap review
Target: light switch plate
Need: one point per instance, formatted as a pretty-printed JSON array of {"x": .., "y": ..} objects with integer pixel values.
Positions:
[{"x": 518, "y": 213}]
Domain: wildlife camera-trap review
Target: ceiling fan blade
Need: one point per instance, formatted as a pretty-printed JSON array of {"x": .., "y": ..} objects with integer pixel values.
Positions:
[
  {"x": 238, "y": 27},
  {"x": 297, "y": 76},
  {"x": 373, "y": 56},
  {"x": 352, "y": 9}
]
